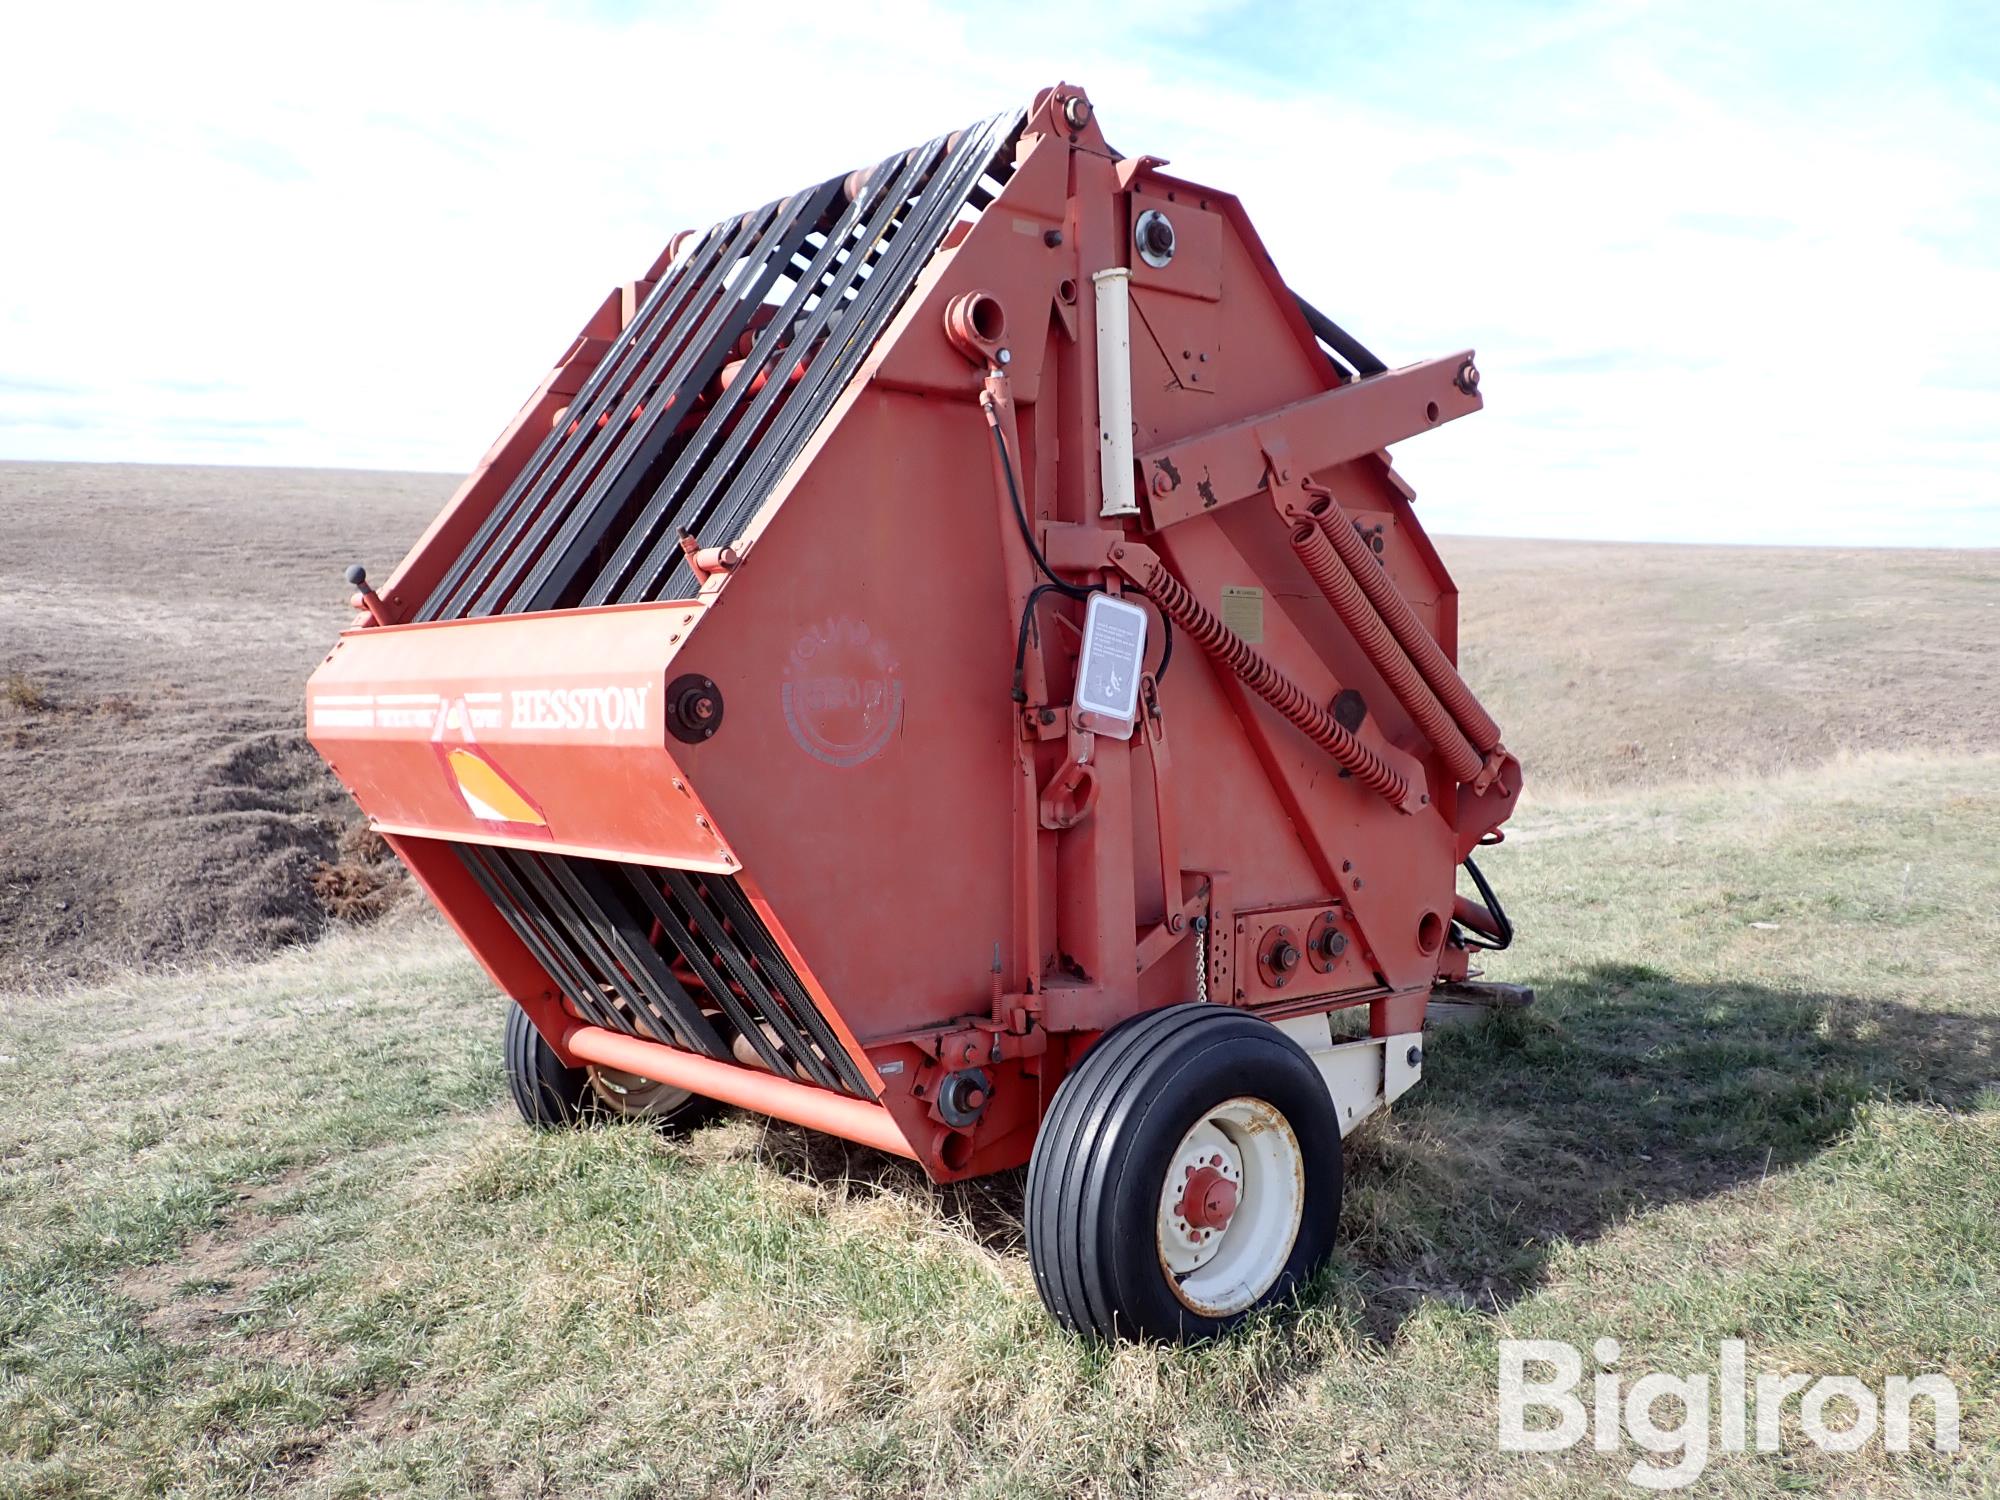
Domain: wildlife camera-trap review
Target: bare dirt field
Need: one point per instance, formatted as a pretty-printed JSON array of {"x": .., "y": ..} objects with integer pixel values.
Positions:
[
  {"x": 1611, "y": 664},
  {"x": 157, "y": 625},
  {"x": 156, "y": 629}
]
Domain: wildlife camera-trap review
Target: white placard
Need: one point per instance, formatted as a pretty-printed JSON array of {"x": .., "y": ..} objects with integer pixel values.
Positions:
[{"x": 1114, "y": 653}]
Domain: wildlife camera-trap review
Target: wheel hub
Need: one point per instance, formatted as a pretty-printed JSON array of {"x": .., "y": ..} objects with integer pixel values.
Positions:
[{"x": 1209, "y": 1199}]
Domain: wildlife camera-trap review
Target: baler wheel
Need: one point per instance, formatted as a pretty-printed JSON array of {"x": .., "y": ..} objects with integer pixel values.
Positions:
[
  {"x": 550, "y": 1095},
  {"x": 1188, "y": 1173}
]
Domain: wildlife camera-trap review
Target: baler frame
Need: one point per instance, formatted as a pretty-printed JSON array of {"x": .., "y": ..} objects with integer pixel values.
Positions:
[{"x": 550, "y": 708}]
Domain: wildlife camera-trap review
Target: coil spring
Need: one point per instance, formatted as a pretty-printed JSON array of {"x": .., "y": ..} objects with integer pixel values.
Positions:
[
  {"x": 1267, "y": 682},
  {"x": 1348, "y": 601},
  {"x": 1402, "y": 621}
]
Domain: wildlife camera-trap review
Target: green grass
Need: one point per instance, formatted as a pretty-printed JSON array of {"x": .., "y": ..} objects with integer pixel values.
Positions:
[{"x": 273, "y": 1229}]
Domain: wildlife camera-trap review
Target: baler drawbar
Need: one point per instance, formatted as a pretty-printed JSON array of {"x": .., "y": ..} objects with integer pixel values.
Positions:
[{"x": 945, "y": 659}]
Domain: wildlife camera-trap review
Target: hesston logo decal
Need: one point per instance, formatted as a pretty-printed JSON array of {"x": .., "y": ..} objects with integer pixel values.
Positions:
[
  {"x": 614, "y": 708},
  {"x": 455, "y": 722}
]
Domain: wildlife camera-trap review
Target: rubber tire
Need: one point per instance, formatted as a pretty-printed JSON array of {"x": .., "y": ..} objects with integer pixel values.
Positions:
[
  {"x": 551, "y": 1096},
  {"x": 1102, "y": 1154},
  {"x": 548, "y": 1094}
]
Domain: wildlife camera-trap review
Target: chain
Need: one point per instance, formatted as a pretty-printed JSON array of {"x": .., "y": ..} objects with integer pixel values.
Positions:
[{"x": 1201, "y": 959}]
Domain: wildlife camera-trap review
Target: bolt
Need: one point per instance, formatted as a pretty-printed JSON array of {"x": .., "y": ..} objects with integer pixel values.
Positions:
[
  {"x": 1161, "y": 484},
  {"x": 1052, "y": 238},
  {"x": 1076, "y": 111},
  {"x": 1176, "y": 922},
  {"x": 1006, "y": 356},
  {"x": 1414, "y": 1056},
  {"x": 1048, "y": 716},
  {"x": 1468, "y": 377},
  {"x": 1117, "y": 554}
]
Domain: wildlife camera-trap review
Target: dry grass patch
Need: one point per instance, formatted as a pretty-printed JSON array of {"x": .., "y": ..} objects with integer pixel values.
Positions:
[{"x": 1704, "y": 1130}]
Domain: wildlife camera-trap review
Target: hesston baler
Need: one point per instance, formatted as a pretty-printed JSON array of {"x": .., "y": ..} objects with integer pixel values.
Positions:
[{"x": 945, "y": 659}]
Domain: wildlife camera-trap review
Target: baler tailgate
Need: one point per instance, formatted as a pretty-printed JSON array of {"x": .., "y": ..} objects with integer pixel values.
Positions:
[{"x": 658, "y": 953}]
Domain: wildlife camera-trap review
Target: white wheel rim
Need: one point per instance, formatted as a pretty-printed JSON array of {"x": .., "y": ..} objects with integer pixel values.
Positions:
[
  {"x": 639, "y": 1098},
  {"x": 1230, "y": 1207}
]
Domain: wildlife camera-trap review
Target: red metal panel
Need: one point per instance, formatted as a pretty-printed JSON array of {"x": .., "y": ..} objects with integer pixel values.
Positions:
[{"x": 546, "y": 730}]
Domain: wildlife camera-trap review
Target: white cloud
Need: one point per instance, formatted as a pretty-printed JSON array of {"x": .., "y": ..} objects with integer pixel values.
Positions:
[{"x": 1707, "y": 308}]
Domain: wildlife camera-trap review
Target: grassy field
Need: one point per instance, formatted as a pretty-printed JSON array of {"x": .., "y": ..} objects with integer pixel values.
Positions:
[
  {"x": 269, "y": 1229},
  {"x": 268, "y": 1226}
]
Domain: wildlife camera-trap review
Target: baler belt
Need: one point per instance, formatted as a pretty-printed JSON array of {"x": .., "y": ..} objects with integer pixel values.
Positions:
[
  {"x": 870, "y": 300},
  {"x": 608, "y": 934},
  {"x": 748, "y": 931},
  {"x": 691, "y": 284},
  {"x": 675, "y": 927},
  {"x": 690, "y": 487},
  {"x": 666, "y": 401},
  {"x": 571, "y": 529},
  {"x": 511, "y": 900}
]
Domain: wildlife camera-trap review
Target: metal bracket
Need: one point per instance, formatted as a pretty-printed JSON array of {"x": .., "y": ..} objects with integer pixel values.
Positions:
[{"x": 1069, "y": 796}]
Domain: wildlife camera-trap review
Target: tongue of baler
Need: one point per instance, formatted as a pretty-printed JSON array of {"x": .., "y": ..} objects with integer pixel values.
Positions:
[{"x": 735, "y": 710}]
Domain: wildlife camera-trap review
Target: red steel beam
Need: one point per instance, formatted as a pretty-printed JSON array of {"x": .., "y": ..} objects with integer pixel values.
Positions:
[
  {"x": 1219, "y": 467},
  {"x": 852, "y": 1119}
]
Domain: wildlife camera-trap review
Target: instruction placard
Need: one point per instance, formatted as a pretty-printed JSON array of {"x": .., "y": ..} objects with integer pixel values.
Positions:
[{"x": 1114, "y": 654}]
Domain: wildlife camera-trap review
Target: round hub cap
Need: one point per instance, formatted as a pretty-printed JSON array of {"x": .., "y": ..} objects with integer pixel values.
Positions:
[{"x": 634, "y": 1097}]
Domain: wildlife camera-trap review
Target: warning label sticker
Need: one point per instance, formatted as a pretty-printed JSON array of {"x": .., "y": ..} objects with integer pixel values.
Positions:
[{"x": 1243, "y": 612}]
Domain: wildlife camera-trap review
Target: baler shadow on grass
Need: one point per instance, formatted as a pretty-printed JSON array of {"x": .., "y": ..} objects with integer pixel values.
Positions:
[{"x": 1623, "y": 1091}]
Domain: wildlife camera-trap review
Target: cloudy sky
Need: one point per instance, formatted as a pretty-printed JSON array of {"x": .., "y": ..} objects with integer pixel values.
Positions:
[{"x": 1732, "y": 269}]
